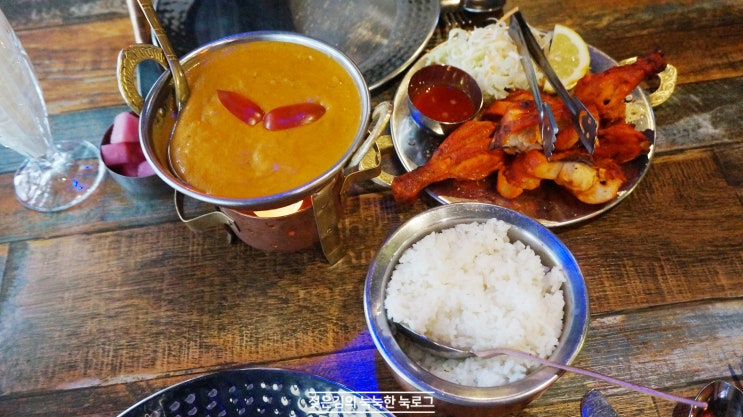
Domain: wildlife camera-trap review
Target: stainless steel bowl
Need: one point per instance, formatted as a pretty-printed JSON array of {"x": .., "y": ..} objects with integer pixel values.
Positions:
[
  {"x": 449, "y": 397},
  {"x": 159, "y": 108},
  {"x": 139, "y": 187},
  {"x": 452, "y": 78}
]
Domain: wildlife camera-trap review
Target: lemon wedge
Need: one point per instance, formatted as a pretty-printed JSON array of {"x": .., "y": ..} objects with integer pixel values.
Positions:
[{"x": 568, "y": 54}]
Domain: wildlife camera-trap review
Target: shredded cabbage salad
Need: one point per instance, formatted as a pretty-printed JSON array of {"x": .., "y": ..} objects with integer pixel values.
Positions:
[{"x": 489, "y": 55}]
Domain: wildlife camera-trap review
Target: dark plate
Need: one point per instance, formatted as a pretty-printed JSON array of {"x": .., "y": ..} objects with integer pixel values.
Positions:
[
  {"x": 549, "y": 204},
  {"x": 256, "y": 392},
  {"x": 382, "y": 37}
]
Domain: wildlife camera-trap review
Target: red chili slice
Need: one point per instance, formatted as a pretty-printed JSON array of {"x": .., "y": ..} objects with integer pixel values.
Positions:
[
  {"x": 294, "y": 115},
  {"x": 242, "y": 107}
]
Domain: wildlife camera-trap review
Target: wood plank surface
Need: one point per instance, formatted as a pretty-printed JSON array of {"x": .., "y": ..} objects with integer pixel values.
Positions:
[
  {"x": 31, "y": 14},
  {"x": 77, "y": 75},
  {"x": 662, "y": 271},
  {"x": 701, "y": 114},
  {"x": 618, "y": 345},
  {"x": 687, "y": 240},
  {"x": 99, "y": 30}
]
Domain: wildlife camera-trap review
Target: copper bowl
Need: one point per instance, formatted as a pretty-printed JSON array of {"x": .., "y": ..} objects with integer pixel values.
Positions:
[
  {"x": 318, "y": 222},
  {"x": 159, "y": 106}
]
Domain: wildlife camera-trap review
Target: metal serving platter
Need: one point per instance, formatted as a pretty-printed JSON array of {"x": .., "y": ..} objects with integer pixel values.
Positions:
[
  {"x": 383, "y": 37},
  {"x": 549, "y": 204},
  {"x": 256, "y": 392}
]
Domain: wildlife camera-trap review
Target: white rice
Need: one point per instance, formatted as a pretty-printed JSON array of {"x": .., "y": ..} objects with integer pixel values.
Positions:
[{"x": 470, "y": 287}]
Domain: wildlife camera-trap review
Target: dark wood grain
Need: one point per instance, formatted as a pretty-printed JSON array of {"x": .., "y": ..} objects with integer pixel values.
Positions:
[
  {"x": 29, "y": 14},
  {"x": 90, "y": 125},
  {"x": 682, "y": 29},
  {"x": 701, "y": 114},
  {"x": 106, "y": 303},
  {"x": 78, "y": 71},
  {"x": 730, "y": 160},
  {"x": 621, "y": 345}
]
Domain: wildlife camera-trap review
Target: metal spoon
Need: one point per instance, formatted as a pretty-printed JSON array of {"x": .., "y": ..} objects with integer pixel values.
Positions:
[
  {"x": 182, "y": 91},
  {"x": 723, "y": 399},
  {"x": 179, "y": 77},
  {"x": 445, "y": 351}
]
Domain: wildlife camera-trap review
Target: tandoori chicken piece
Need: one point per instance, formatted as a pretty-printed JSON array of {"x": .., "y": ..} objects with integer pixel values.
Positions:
[
  {"x": 518, "y": 122},
  {"x": 620, "y": 142},
  {"x": 590, "y": 181},
  {"x": 606, "y": 91},
  {"x": 603, "y": 94},
  {"x": 517, "y": 174},
  {"x": 593, "y": 179},
  {"x": 464, "y": 154}
]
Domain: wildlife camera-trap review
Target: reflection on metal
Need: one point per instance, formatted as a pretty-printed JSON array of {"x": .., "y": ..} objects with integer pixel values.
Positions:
[
  {"x": 126, "y": 71},
  {"x": 667, "y": 83},
  {"x": 382, "y": 37},
  {"x": 549, "y": 204}
]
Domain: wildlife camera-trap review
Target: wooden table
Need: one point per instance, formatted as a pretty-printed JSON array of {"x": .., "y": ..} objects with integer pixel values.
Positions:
[{"x": 114, "y": 299}]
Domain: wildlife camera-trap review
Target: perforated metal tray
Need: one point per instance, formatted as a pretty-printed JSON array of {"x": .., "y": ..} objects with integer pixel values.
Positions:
[
  {"x": 256, "y": 392},
  {"x": 383, "y": 37}
]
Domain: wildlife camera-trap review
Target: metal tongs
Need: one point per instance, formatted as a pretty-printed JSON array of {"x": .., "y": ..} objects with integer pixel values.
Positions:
[{"x": 583, "y": 122}]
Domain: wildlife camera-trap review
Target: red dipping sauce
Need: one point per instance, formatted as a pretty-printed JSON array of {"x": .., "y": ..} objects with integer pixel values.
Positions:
[{"x": 444, "y": 103}]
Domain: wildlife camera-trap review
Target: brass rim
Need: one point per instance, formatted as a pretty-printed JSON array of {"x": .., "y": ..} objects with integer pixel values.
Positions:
[
  {"x": 128, "y": 61},
  {"x": 667, "y": 83}
]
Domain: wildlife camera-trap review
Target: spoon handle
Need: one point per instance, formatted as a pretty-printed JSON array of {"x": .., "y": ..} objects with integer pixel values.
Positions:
[
  {"x": 179, "y": 78},
  {"x": 510, "y": 352}
]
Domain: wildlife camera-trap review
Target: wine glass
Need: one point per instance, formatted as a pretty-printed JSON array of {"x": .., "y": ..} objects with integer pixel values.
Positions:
[{"x": 55, "y": 176}]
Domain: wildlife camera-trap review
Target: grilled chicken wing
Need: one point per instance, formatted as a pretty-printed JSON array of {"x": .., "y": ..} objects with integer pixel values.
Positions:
[
  {"x": 514, "y": 123},
  {"x": 606, "y": 91},
  {"x": 602, "y": 93},
  {"x": 590, "y": 181},
  {"x": 464, "y": 154}
]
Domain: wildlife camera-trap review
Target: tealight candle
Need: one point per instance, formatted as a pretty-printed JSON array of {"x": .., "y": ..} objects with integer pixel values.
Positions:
[{"x": 281, "y": 211}]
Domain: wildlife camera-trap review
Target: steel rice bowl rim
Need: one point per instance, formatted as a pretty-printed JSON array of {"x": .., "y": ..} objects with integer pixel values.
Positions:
[
  {"x": 541, "y": 240},
  {"x": 162, "y": 92}
]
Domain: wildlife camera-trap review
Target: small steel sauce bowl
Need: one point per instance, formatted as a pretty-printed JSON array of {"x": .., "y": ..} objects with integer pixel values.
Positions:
[
  {"x": 443, "y": 97},
  {"x": 723, "y": 398},
  {"x": 145, "y": 187}
]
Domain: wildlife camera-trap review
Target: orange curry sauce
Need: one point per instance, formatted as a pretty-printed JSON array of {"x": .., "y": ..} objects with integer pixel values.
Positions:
[{"x": 221, "y": 155}]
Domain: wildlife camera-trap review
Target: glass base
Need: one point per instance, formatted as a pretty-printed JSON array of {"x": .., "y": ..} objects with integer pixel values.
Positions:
[{"x": 62, "y": 180}]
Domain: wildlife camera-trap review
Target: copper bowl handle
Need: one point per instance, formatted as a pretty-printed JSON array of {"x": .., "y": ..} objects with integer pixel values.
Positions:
[
  {"x": 204, "y": 221},
  {"x": 126, "y": 71}
]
